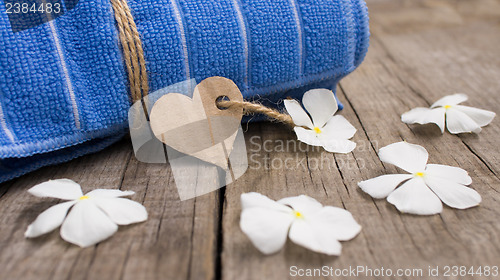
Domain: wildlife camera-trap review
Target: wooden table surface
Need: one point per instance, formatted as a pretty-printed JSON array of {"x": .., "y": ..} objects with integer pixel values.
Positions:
[{"x": 420, "y": 51}]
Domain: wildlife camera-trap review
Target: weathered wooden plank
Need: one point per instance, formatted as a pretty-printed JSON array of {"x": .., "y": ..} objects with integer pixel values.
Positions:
[
  {"x": 388, "y": 239},
  {"x": 375, "y": 96},
  {"x": 379, "y": 93},
  {"x": 180, "y": 241},
  {"x": 41, "y": 258},
  {"x": 177, "y": 242},
  {"x": 458, "y": 52}
]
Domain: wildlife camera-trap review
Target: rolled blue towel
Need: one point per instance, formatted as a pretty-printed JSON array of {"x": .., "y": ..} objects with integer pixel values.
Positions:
[{"x": 64, "y": 90}]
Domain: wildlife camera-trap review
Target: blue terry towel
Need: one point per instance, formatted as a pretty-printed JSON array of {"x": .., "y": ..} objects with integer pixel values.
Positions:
[{"x": 64, "y": 89}]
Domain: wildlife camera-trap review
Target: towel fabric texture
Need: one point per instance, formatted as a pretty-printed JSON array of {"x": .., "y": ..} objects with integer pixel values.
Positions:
[{"x": 64, "y": 89}]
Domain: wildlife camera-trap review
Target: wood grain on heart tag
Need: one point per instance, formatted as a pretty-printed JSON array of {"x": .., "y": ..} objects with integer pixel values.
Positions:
[{"x": 196, "y": 126}]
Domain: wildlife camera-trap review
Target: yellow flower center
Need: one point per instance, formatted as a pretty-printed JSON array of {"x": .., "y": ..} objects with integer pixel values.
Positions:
[
  {"x": 419, "y": 174},
  {"x": 317, "y": 130},
  {"x": 447, "y": 106},
  {"x": 298, "y": 214},
  {"x": 83, "y": 197}
]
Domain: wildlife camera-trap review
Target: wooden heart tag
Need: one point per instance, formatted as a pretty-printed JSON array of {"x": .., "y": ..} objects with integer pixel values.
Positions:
[{"x": 197, "y": 127}]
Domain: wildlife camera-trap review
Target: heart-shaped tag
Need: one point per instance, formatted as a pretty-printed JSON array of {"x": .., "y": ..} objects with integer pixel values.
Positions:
[{"x": 197, "y": 127}]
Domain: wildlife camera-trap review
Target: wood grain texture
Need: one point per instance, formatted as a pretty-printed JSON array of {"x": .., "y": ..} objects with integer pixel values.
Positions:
[
  {"x": 420, "y": 51},
  {"x": 179, "y": 240}
]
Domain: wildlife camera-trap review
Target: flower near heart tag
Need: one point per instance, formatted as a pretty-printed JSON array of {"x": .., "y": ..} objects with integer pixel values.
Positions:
[{"x": 196, "y": 126}]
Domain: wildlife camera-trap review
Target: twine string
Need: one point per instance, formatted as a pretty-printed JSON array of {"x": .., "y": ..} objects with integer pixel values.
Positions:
[
  {"x": 133, "y": 52},
  {"x": 250, "y": 108}
]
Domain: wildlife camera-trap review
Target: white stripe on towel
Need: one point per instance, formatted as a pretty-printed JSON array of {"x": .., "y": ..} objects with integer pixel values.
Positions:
[
  {"x": 3, "y": 123},
  {"x": 299, "y": 33},
  {"x": 66, "y": 73},
  {"x": 351, "y": 35},
  {"x": 243, "y": 30},
  {"x": 178, "y": 17}
]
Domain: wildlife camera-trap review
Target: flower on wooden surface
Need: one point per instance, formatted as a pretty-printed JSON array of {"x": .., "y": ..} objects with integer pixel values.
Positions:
[
  {"x": 93, "y": 217},
  {"x": 308, "y": 223},
  {"x": 421, "y": 191},
  {"x": 459, "y": 118},
  {"x": 325, "y": 129}
]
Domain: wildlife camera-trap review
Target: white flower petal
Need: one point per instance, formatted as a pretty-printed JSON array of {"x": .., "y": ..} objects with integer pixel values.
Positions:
[
  {"x": 338, "y": 145},
  {"x": 453, "y": 99},
  {"x": 335, "y": 222},
  {"x": 479, "y": 116},
  {"x": 304, "y": 204},
  {"x": 266, "y": 228},
  {"x": 312, "y": 238},
  {"x": 49, "y": 220},
  {"x": 122, "y": 211},
  {"x": 338, "y": 127},
  {"x": 307, "y": 136},
  {"x": 453, "y": 194},
  {"x": 454, "y": 174},
  {"x": 409, "y": 157},
  {"x": 253, "y": 199},
  {"x": 265, "y": 221},
  {"x": 416, "y": 198},
  {"x": 109, "y": 193},
  {"x": 320, "y": 104},
  {"x": 61, "y": 188},
  {"x": 424, "y": 116},
  {"x": 87, "y": 225},
  {"x": 299, "y": 116},
  {"x": 459, "y": 122},
  {"x": 382, "y": 186}
]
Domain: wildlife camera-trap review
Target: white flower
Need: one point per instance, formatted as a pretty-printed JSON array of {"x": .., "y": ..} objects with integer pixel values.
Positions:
[
  {"x": 425, "y": 187},
  {"x": 93, "y": 218},
  {"x": 267, "y": 223},
  {"x": 459, "y": 118},
  {"x": 326, "y": 130}
]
